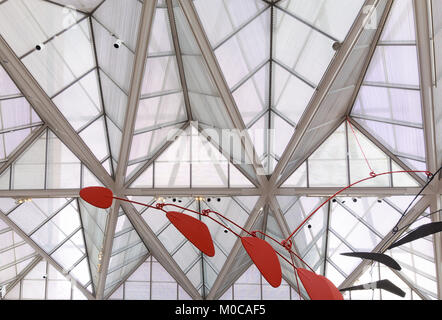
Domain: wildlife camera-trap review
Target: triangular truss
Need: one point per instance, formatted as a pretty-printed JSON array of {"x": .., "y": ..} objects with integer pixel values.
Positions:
[{"x": 323, "y": 84}]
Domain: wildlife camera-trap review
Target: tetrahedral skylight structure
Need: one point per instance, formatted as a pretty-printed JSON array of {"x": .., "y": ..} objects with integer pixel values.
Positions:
[{"x": 142, "y": 97}]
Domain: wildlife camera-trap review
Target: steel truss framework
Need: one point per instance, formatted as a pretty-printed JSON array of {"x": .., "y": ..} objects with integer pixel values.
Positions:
[{"x": 267, "y": 188}]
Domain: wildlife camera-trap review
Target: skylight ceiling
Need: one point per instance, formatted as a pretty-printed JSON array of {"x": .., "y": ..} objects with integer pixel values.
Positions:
[
  {"x": 325, "y": 94},
  {"x": 292, "y": 49}
]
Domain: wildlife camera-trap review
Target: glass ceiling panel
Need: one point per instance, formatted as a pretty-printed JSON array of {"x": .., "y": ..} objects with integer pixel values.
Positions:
[
  {"x": 189, "y": 162},
  {"x": 389, "y": 103},
  {"x": 344, "y": 153},
  {"x": 44, "y": 282},
  {"x": 334, "y": 17},
  {"x": 81, "y": 5},
  {"x": 15, "y": 255},
  {"x": 46, "y": 164},
  {"x": 150, "y": 282}
]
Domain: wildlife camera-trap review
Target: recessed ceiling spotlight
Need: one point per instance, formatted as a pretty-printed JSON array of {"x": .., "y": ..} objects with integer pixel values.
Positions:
[
  {"x": 40, "y": 46},
  {"x": 118, "y": 43},
  {"x": 337, "y": 45}
]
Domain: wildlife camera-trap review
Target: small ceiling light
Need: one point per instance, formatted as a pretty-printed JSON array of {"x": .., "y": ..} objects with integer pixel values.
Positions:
[
  {"x": 226, "y": 231},
  {"x": 309, "y": 226},
  {"x": 334, "y": 200},
  {"x": 174, "y": 199},
  {"x": 118, "y": 43},
  {"x": 337, "y": 45},
  {"x": 219, "y": 199},
  {"x": 40, "y": 46},
  {"x": 209, "y": 199},
  {"x": 355, "y": 200}
]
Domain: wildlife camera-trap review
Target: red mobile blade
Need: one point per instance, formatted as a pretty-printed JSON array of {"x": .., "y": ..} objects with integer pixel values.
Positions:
[
  {"x": 265, "y": 259},
  {"x": 318, "y": 287},
  {"x": 194, "y": 230},
  {"x": 97, "y": 196}
]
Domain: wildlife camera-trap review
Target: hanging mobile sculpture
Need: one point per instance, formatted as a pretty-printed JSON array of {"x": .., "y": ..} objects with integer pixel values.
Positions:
[{"x": 263, "y": 255}]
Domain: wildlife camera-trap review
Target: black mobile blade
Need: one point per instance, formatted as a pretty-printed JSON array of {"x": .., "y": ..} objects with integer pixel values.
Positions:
[
  {"x": 386, "y": 285},
  {"x": 421, "y": 232},
  {"x": 378, "y": 257}
]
